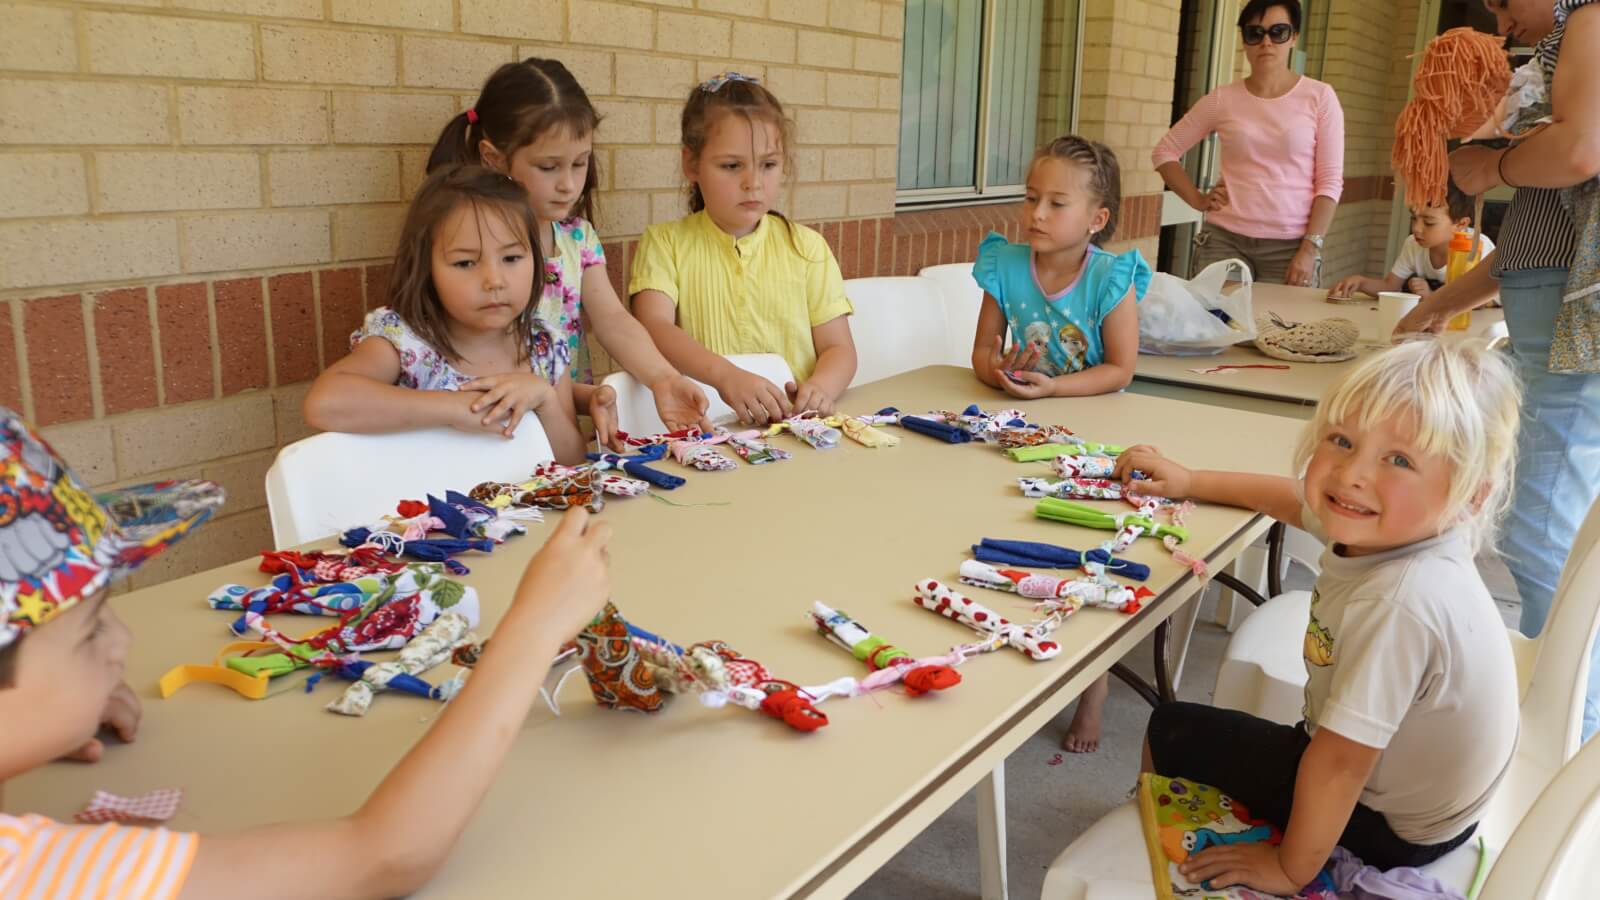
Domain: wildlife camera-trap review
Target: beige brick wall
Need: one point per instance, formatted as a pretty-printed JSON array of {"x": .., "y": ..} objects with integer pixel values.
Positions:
[
  {"x": 1372, "y": 79},
  {"x": 200, "y": 105}
]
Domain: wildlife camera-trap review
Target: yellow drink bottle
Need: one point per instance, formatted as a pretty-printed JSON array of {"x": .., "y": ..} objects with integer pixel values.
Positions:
[{"x": 1462, "y": 259}]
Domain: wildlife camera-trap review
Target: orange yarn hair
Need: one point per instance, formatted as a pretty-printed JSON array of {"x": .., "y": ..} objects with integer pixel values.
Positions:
[{"x": 1460, "y": 82}]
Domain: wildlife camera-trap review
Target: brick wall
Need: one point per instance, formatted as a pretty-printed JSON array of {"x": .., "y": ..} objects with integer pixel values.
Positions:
[
  {"x": 1371, "y": 77},
  {"x": 198, "y": 197},
  {"x": 1130, "y": 50}
]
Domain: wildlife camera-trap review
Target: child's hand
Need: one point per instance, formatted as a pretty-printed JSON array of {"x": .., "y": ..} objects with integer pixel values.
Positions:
[
  {"x": 755, "y": 399},
  {"x": 506, "y": 398},
  {"x": 807, "y": 397},
  {"x": 603, "y": 413},
  {"x": 681, "y": 404},
  {"x": 1254, "y": 865},
  {"x": 121, "y": 715},
  {"x": 1020, "y": 358},
  {"x": 1167, "y": 478},
  {"x": 1419, "y": 286},
  {"x": 1026, "y": 385},
  {"x": 569, "y": 579},
  {"x": 1347, "y": 287}
]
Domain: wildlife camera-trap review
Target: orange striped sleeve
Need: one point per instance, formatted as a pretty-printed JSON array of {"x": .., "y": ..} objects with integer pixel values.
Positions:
[{"x": 45, "y": 860}]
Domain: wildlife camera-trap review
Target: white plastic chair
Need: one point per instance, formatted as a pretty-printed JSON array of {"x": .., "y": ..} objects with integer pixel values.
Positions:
[
  {"x": 962, "y": 300},
  {"x": 1498, "y": 334},
  {"x": 899, "y": 325},
  {"x": 1262, "y": 672},
  {"x": 333, "y": 481},
  {"x": 1551, "y": 854},
  {"x": 636, "y": 406},
  {"x": 1109, "y": 859}
]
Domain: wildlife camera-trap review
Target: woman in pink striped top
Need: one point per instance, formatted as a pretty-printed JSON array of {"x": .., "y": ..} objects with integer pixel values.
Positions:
[{"x": 1282, "y": 156}]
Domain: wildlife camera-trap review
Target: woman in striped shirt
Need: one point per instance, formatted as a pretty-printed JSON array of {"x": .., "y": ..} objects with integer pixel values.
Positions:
[{"x": 1558, "y": 457}]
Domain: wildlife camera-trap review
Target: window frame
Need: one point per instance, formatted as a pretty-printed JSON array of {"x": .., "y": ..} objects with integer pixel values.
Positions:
[{"x": 981, "y": 192}]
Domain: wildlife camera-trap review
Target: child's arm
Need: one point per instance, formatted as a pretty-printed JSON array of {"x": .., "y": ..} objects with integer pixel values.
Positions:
[
  {"x": 1360, "y": 284},
  {"x": 1119, "y": 332},
  {"x": 990, "y": 359},
  {"x": 679, "y": 401},
  {"x": 752, "y": 397},
  {"x": 1270, "y": 495},
  {"x": 358, "y": 394},
  {"x": 836, "y": 365},
  {"x": 507, "y": 398},
  {"x": 402, "y": 835},
  {"x": 1327, "y": 785}
]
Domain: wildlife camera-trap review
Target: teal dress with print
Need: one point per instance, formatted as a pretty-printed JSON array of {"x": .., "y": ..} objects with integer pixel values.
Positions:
[{"x": 1068, "y": 322}]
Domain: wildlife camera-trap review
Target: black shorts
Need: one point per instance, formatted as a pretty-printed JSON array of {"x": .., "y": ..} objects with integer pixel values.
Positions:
[{"x": 1255, "y": 761}]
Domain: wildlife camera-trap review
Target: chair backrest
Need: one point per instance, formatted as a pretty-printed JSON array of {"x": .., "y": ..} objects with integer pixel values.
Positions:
[
  {"x": 1497, "y": 334},
  {"x": 332, "y": 481},
  {"x": 636, "y": 406},
  {"x": 1552, "y": 853},
  {"x": 1552, "y": 698},
  {"x": 899, "y": 325},
  {"x": 962, "y": 300}
]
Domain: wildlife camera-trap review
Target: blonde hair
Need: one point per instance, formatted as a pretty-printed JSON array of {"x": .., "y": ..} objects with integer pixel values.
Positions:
[{"x": 1466, "y": 402}]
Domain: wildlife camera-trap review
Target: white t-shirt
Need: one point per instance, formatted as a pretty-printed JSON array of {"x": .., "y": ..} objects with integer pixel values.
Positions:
[
  {"x": 1406, "y": 652},
  {"x": 1413, "y": 261}
]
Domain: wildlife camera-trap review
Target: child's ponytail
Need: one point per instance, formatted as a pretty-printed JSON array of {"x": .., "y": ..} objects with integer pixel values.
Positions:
[{"x": 456, "y": 144}]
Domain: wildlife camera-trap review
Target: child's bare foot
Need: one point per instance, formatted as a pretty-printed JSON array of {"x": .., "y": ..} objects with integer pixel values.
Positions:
[{"x": 1083, "y": 736}]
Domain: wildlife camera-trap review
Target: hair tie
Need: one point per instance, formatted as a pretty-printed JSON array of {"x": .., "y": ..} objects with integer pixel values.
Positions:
[
  {"x": 472, "y": 116},
  {"x": 714, "y": 83}
]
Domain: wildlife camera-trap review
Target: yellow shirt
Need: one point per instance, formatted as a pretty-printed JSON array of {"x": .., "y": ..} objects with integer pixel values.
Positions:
[{"x": 762, "y": 293}]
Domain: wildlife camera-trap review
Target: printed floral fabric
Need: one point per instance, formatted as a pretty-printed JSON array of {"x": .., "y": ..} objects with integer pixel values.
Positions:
[
  {"x": 426, "y": 369},
  {"x": 559, "y": 307}
]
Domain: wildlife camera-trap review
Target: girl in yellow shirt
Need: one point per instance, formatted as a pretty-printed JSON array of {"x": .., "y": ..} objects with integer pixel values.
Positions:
[{"x": 736, "y": 276}]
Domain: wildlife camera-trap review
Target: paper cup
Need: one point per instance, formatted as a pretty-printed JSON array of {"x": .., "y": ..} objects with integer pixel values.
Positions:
[{"x": 1392, "y": 307}]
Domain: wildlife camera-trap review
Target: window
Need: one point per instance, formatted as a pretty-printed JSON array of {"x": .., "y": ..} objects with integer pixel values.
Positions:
[{"x": 983, "y": 83}]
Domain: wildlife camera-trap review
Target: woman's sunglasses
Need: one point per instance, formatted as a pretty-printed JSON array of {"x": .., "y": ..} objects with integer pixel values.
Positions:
[{"x": 1280, "y": 33}]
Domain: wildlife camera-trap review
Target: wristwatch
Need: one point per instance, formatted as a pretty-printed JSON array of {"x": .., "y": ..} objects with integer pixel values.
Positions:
[{"x": 1314, "y": 240}]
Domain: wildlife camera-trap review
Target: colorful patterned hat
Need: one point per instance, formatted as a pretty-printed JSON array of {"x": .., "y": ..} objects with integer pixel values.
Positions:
[{"x": 60, "y": 544}]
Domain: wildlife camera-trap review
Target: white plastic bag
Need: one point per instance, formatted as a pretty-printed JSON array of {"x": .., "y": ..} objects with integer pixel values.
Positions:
[{"x": 1177, "y": 318}]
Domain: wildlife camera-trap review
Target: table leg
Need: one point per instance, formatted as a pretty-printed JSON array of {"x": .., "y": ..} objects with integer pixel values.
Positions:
[
  {"x": 992, "y": 834},
  {"x": 1251, "y": 569},
  {"x": 1183, "y": 623}
]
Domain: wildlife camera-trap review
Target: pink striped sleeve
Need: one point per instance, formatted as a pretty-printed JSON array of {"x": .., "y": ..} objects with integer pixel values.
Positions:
[
  {"x": 1329, "y": 167},
  {"x": 1195, "y": 126},
  {"x": 43, "y": 859}
]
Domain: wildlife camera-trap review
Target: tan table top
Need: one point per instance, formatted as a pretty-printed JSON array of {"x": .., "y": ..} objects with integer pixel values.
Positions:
[
  {"x": 1302, "y": 383},
  {"x": 602, "y": 803}
]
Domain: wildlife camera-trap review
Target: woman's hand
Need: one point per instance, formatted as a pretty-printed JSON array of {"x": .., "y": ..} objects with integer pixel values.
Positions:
[
  {"x": 1476, "y": 170},
  {"x": 507, "y": 398},
  {"x": 1254, "y": 865},
  {"x": 1421, "y": 320},
  {"x": 754, "y": 399},
  {"x": 1165, "y": 477},
  {"x": 1211, "y": 201},
  {"x": 1302, "y": 268},
  {"x": 681, "y": 404}
]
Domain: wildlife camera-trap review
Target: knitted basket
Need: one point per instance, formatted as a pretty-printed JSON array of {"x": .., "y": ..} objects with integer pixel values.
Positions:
[{"x": 1326, "y": 340}]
